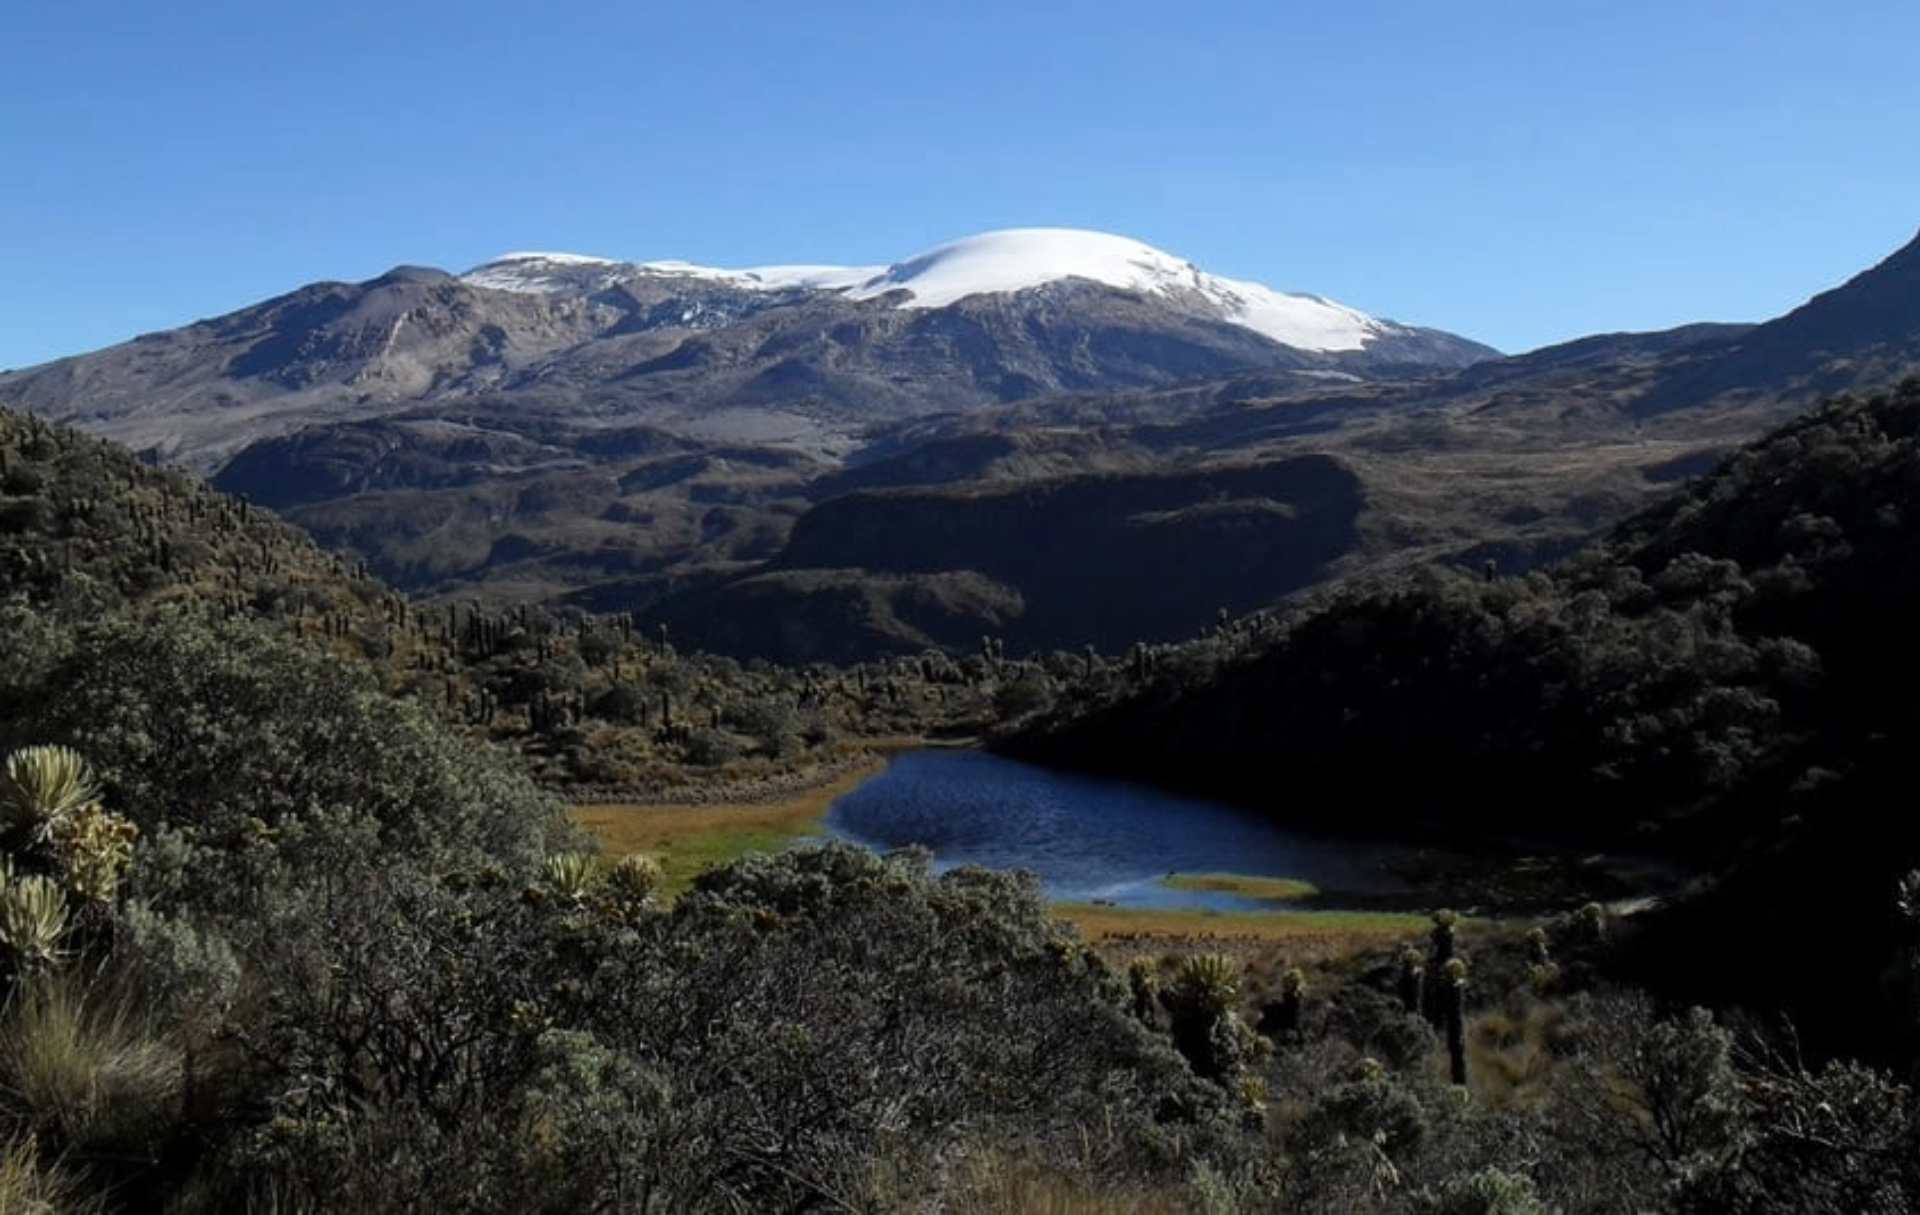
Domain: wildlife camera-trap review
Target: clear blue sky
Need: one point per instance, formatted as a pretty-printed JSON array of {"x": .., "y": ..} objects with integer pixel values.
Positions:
[{"x": 1521, "y": 173}]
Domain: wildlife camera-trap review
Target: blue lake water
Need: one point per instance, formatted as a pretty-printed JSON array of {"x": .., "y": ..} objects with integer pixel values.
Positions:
[{"x": 1085, "y": 837}]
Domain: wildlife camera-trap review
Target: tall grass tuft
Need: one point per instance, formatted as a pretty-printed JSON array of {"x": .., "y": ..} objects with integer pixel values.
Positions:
[
  {"x": 85, "y": 1066},
  {"x": 31, "y": 1185}
]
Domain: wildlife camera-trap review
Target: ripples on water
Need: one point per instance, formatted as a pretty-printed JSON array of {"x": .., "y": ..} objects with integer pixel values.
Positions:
[{"x": 1087, "y": 838}]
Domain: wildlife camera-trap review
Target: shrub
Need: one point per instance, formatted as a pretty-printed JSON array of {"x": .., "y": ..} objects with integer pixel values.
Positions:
[
  {"x": 1354, "y": 1141},
  {"x": 20, "y": 479},
  {"x": 710, "y": 748},
  {"x": 773, "y": 725},
  {"x": 624, "y": 703},
  {"x": 1032, "y": 692},
  {"x": 1380, "y": 1025},
  {"x": 1659, "y": 1089},
  {"x": 180, "y": 967},
  {"x": 248, "y": 761}
]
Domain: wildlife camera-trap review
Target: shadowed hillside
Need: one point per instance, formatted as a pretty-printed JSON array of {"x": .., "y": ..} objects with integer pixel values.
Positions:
[{"x": 1054, "y": 564}]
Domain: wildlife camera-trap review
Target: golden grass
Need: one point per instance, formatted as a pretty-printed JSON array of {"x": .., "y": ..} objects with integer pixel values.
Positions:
[
  {"x": 689, "y": 840},
  {"x": 1246, "y": 886}
]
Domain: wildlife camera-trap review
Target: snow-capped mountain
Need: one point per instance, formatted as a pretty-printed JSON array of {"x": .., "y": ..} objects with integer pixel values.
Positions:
[
  {"x": 806, "y": 355},
  {"x": 992, "y": 263}
]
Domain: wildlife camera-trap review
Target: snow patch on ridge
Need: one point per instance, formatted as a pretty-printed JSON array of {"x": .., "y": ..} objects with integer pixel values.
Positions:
[
  {"x": 768, "y": 278},
  {"x": 558, "y": 259},
  {"x": 554, "y": 273},
  {"x": 544, "y": 273}
]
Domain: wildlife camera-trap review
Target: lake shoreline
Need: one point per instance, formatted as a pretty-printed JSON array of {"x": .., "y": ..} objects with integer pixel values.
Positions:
[{"x": 718, "y": 823}]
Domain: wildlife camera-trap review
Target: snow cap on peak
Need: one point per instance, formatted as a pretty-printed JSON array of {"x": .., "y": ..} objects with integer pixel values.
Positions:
[{"x": 1016, "y": 259}]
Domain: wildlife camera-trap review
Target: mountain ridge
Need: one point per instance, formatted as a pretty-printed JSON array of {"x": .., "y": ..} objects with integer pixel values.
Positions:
[{"x": 797, "y": 356}]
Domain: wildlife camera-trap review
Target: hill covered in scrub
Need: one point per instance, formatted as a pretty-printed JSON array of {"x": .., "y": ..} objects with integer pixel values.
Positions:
[
  {"x": 603, "y": 703},
  {"x": 1046, "y": 564},
  {"x": 269, "y": 935},
  {"x": 1725, "y": 679},
  {"x": 86, "y": 528}
]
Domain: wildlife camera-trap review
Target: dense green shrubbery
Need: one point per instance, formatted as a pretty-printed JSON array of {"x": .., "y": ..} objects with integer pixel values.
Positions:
[{"x": 250, "y": 761}]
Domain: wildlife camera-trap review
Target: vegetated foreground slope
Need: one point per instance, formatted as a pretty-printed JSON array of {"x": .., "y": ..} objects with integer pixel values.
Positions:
[
  {"x": 273, "y": 934},
  {"x": 1726, "y": 677}
]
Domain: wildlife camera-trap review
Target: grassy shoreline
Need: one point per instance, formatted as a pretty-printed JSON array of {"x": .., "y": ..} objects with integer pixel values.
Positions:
[{"x": 690, "y": 837}]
